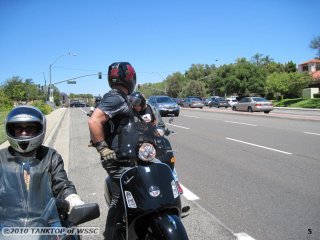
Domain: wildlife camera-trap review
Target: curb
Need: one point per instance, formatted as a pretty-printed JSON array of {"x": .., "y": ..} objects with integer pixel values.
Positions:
[{"x": 53, "y": 133}]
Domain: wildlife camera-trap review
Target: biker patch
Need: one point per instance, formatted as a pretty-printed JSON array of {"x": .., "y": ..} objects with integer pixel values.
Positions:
[{"x": 154, "y": 191}]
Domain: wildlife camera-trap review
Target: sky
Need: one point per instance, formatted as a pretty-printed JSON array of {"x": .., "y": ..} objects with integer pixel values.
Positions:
[{"x": 158, "y": 38}]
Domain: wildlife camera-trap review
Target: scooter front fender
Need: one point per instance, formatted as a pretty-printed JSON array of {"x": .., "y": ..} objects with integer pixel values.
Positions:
[{"x": 168, "y": 227}]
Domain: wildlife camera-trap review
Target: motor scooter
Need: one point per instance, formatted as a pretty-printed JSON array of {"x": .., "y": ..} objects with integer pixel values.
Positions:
[
  {"x": 149, "y": 191},
  {"x": 44, "y": 217}
]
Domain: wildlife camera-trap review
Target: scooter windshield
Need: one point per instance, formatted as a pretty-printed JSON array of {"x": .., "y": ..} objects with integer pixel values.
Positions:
[
  {"x": 132, "y": 134},
  {"x": 26, "y": 198}
]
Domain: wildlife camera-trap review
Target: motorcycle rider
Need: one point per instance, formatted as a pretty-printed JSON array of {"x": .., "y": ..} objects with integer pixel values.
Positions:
[
  {"x": 148, "y": 112},
  {"x": 105, "y": 123},
  {"x": 25, "y": 165}
]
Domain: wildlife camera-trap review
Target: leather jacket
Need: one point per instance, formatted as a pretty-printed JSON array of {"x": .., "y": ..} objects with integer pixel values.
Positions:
[{"x": 47, "y": 179}]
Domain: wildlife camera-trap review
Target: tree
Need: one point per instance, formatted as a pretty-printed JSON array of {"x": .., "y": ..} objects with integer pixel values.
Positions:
[
  {"x": 15, "y": 89},
  {"x": 5, "y": 102},
  {"x": 315, "y": 44},
  {"x": 257, "y": 58},
  {"x": 193, "y": 88},
  {"x": 290, "y": 67},
  {"x": 287, "y": 84},
  {"x": 175, "y": 83}
]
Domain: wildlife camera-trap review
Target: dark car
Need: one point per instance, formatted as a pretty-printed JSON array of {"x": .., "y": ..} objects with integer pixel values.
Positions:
[
  {"x": 165, "y": 104},
  {"x": 218, "y": 102}
]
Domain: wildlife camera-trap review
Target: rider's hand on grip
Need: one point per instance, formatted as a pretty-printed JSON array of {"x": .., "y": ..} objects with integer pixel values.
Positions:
[
  {"x": 107, "y": 154},
  {"x": 74, "y": 200}
]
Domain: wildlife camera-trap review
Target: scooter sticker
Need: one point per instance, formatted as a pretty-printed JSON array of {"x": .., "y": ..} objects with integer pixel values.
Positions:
[
  {"x": 154, "y": 191},
  {"x": 147, "y": 169}
]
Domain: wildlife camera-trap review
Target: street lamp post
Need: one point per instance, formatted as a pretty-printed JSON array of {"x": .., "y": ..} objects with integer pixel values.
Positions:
[
  {"x": 164, "y": 81},
  {"x": 51, "y": 99}
]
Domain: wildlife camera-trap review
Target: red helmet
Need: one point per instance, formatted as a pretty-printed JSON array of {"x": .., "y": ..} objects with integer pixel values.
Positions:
[{"x": 122, "y": 73}]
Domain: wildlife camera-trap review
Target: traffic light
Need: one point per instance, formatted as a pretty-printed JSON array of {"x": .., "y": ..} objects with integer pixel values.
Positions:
[{"x": 100, "y": 75}]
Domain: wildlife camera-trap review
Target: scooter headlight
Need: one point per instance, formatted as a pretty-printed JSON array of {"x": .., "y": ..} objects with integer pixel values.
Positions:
[{"x": 147, "y": 152}]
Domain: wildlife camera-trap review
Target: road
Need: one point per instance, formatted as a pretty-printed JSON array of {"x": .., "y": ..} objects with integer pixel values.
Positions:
[{"x": 252, "y": 172}]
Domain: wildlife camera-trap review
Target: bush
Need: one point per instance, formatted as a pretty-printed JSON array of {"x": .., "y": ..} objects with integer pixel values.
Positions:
[
  {"x": 316, "y": 95},
  {"x": 287, "y": 102},
  {"x": 3, "y": 136},
  {"x": 43, "y": 107}
]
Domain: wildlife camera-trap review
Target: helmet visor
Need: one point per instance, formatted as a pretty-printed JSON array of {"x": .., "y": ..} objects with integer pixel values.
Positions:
[{"x": 135, "y": 101}]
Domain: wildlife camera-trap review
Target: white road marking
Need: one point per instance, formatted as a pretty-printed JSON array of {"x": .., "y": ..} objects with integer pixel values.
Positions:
[
  {"x": 83, "y": 110},
  {"x": 191, "y": 116},
  {"x": 312, "y": 133},
  {"x": 243, "y": 236},
  {"x": 177, "y": 126},
  {"x": 273, "y": 149},
  {"x": 188, "y": 194},
  {"x": 241, "y": 123}
]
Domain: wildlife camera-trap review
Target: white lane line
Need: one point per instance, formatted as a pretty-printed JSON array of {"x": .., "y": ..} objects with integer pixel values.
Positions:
[
  {"x": 191, "y": 116},
  {"x": 188, "y": 194},
  {"x": 83, "y": 110},
  {"x": 243, "y": 236},
  {"x": 318, "y": 134},
  {"x": 241, "y": 123},
  {"x": 273, "y": 149},
  {"x": 177, "y": 126}
]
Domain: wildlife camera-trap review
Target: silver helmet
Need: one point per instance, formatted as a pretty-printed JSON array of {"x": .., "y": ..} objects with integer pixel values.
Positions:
[{"x": 25, "y": 114}]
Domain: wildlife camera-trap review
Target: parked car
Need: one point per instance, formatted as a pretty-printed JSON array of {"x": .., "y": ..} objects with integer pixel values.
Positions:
[
  {"x": 218, "y": 102},
  {"x": 178, "y": 101},
  {"x": 78, "y": 104},
  {"x": 165, "y": 104},
  {"x": 253, "y": 104},
  {"x": 206, "y": 102},
  {"x": 231, "y": 101},
  {"x": 192, "y": 102}
]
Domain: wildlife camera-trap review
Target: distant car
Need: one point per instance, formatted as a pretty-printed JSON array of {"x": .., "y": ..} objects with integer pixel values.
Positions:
[
  {"x": 218, "y": 102},
  {"x": 165, "y": 105},
  {"x": 192, "y": 102},
  {"x": 178, "y": 101},
  {"x": 253, "y": 104},
  {"x": 79, "y": 104},
  {"x": 206, "y": 102},
  {"x": 231, "y": 101}
]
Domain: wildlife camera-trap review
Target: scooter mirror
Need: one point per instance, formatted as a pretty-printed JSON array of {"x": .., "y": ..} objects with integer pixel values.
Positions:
[{"x": 84, "y": 213}]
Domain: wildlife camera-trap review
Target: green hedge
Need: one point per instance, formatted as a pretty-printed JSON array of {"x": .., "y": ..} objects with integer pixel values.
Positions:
[
  {"x": 3, "y": 136},
  {"x": 316, "y": 95},
  {"x": 43, "y": 107},
  {"x": 298, "y": 103}
]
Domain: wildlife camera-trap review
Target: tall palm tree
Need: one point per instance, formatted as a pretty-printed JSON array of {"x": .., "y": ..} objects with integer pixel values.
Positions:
[
  {"x": 315, "y": 44},
  {"x": 257, "y": 58}
]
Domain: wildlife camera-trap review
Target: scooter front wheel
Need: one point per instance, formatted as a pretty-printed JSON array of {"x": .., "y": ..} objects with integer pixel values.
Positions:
[{"x": 166, "y": 227}]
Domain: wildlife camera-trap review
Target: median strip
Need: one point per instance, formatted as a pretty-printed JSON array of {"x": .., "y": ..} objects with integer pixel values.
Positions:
[{"x": 272, "y": 149}]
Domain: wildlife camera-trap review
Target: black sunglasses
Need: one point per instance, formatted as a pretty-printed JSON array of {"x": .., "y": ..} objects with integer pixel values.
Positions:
[{"x": 27, "y": 129}]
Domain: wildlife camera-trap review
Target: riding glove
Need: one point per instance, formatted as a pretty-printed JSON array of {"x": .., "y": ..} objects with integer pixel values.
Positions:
[
  {"x": 74, "y": 200},
  {"x": 107, "y": 154}
]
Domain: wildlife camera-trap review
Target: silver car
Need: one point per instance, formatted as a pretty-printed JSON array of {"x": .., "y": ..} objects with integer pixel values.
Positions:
[
  {"x": 192, "y": 103},
  {"x": 253, "y": 104},
  {"x": 165, "y": 104}
]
